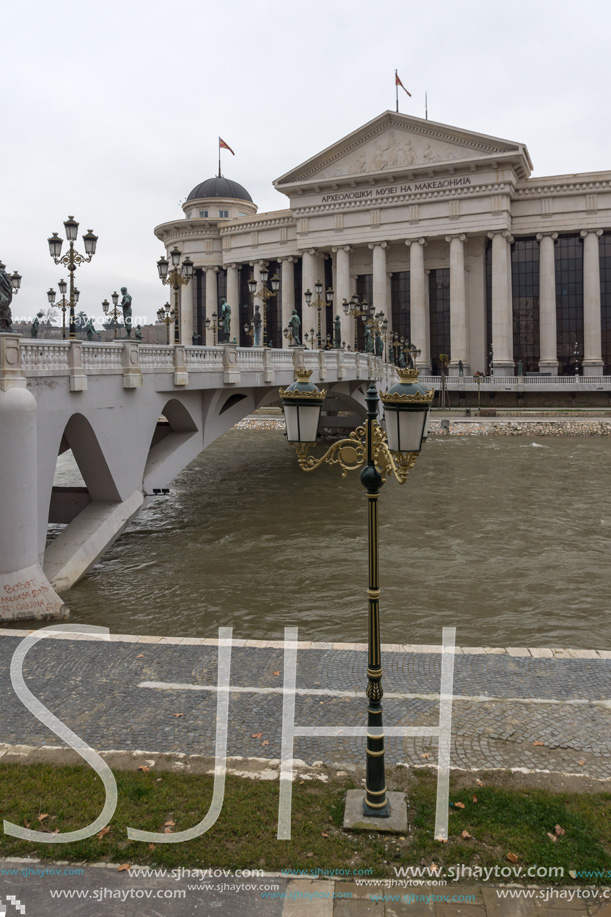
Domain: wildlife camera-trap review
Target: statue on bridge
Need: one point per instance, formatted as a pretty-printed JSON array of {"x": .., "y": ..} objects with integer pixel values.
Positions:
[
  {"x": 225, "y": 311},
  {"x": 138, "y": 333},
  {"x": 35, "y": 325},
  {"x": 368, "y": 340},
  {"x": 337, "y": 333},
  {"x": 6, "y": 298},
  {"x": 257, "y": 321},
  {"x": 379, "y": 345},
  {"x": 90, "y": 330},
  {"x": 295, "y": 327},
  {"x": 126, "y": 305}
]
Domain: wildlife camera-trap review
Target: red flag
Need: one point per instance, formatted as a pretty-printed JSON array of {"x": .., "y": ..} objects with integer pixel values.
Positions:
[
  {"x": 399, "y": 83},
  {"x": 225, "y": 146}
]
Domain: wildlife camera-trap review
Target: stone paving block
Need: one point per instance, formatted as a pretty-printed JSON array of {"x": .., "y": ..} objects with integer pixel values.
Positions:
[
  {"x": 474, "y": 650},
  {"x": 430, "y": 648},
  {"x": 146, "y": 639},
  {"x": 517, "y": 651},
  {"x": 195, "y": 641},
  {"x": 586, "y": 654},
  {"x": 560, "y": 653},
  {"x": 357, "y": 908},
  {"x": 541, "y": 652},
  {"x": 459, "y": 909},
  {"x": 495, "y": 650},
  {"x": 172, "y": 640},
  {"x": 410, "y": 908},
  {"x": 604, "y": 654},
  {"x": 309, "y": 898},
  {"x": 510, "y": 907}
]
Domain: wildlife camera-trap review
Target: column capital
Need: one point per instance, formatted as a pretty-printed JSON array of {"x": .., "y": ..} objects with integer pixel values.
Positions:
[
  {"x": 310, "y": 251},
  {"x": 341, "y": 248},
  {"x": 501, "y": 232},
  {"x": 461, "y": 236},
  {"x": 421, "y": 241},
  {"x": 291, "y": 259},
  {"x": 588, "y": 232},
  {"x": 545, "y": 235},
  {"x": 212, "y": 267},
  {"x": 232, "y": 264},
  {"x": 378, "y": 245}
]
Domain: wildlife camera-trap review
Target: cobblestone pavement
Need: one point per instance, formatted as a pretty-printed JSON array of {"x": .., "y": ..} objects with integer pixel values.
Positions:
[{"x": 511, "y": 709}]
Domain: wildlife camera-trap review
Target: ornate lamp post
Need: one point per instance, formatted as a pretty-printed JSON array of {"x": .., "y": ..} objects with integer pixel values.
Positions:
[
  {"x": 379, "y": 454},
  {"x": 212, "y": 324},
  {"x": 166, "y": 316},
  {"x": 62, "y": 304},
  {"x": 177, "y": 277},
  {"x": 115, "y": 310},
  {"x": 72, "y": 259},
  {"x": 576, "y": 356},
  {"x": 309, "y": 337},
  {"x": 357, "y": 310},
  {"x": 264, "y": 294},
  {"x": 318, "y": 303}
]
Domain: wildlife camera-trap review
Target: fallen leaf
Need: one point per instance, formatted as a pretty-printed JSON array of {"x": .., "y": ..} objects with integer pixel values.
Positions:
[
  {"x": 572, "y": 874},
  {"x": 434, "y": 867},
  {"x": 151, "y": 846},
  {"x": 265, "y": 742},
  {"x": 537, "y": 743},
  {"x": 459, "y": 805},
  {"x": 124, "y": 867},
  {"x": 581, "y": 763},
  {"x": 322, "y": 834},
  {"x": 178, "y": 714},
  {"x": 425, "y": 756},
  {"x": 56, "y": 831},
  {"x": 309, "y": 854},
  {"x": 301, "y": 782},
  {"x": 475, "y": 799},
  {"x": 256, "y": 735},
  {"x": 170, "y": 823},
  {"x": 167, "y": 830},
  {"x": 559, "y": 831},
  {"x": 479, "y": 782},
  {"x": 103, "y": 832},
  {"x": 466, "y": 835},
  {"x": 144, "y": 768},
  {"x": 275, "y": 673},
  {"x": 140, "y": 655},
  {"x": 552, "y": 837},
  {"x": 512, "y": 857},
  {"x": 42, "y": 817},
  {"x": 26, "y": 823}
]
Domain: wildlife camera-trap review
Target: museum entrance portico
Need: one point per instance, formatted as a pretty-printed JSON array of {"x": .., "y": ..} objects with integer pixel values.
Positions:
[{"x": 444, "y": 230}]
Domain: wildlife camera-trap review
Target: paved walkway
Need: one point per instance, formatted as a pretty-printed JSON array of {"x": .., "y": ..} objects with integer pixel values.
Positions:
[
  {"x": 539, "y": 709},
  {"x": 103, "y": 891}
]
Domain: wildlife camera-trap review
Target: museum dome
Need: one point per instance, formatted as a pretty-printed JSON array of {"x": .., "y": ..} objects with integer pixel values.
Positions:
[{"x": 220, "y": 187}]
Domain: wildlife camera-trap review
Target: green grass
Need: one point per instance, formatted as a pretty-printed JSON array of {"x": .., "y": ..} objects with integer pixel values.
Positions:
[{"x": 503, "y": 820}]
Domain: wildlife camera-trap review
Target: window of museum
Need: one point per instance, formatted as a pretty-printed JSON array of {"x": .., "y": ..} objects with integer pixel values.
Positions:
[
  {"x": 400, "y": 299},
  {"x": 203, "y": 213},
  {"x": 605, "y": 300},
  {"x": 525, "y": 302},
  {"x": 439, "y": 312},
  {"x": 569, "y": 301},
  {"x": 223, "y": 213}
]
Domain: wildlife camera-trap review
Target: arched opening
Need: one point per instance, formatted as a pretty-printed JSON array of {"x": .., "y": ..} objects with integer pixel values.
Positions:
[{"x": 173, "y": 429}]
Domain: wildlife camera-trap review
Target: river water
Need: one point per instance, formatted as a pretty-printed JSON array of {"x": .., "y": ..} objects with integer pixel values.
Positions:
[{"x": 506, "y": 538}]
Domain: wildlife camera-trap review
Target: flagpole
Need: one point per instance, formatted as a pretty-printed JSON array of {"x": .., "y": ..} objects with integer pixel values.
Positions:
[
  {"x": 396, "y": 92},
  {"x": 426, "y": 107},
  {"x": 219, "y": 157}
]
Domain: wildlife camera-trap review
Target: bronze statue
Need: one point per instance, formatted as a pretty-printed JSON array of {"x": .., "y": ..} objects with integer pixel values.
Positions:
[
  {"x": 126, "y": 305},
  {"x": 368, "y": 340},
  {"x": 90, "y": 330},
  {"x": 225, "y": 311},
  {"x": 257, "y": 321},
  {"x": 379, "y": 344},
  {"x": 6, "y": 298},
  {"x": 295, "y": 326},
  {"x": 337, "y": 333},
  {"x": 138, "y": 333},
  {"x": 35, "y": 324}
]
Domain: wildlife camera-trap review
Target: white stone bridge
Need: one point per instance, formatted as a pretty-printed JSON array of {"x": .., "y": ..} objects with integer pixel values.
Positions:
[{"x": 134, "y": 416}]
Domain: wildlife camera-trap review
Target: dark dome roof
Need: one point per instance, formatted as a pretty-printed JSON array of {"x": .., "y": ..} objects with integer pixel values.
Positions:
[{"x": 220, "y": 187}]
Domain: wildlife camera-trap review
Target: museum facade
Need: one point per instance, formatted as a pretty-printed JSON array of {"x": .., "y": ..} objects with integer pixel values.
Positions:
[{"x": 444, "y": 230}]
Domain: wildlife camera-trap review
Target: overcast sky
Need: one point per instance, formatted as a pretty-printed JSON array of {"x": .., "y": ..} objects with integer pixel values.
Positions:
[{"x": 112, "y": 110}]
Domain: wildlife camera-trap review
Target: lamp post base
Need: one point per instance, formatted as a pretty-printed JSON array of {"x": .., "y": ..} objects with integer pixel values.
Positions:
[{"x": 394, "y": 823}]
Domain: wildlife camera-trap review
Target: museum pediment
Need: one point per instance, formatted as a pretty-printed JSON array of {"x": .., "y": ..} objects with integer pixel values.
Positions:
[{"x": 395, "y": 143}]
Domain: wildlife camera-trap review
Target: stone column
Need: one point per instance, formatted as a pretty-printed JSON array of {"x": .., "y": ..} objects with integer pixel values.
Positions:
[
  {"x": 502, "y": 311},
  {"x": 320, "y": 275},
  {"x": 458, "y": 307},
  {"x": 186, "y": 311},
  {"x": 342, "y": 292},
  {"x": 592, "y": 341},
  {"x": 420, "y": 332},
  {"x": 233, "y": 298},
  {"x": 548, "y": 350},
  {"x": 288, "y": 293},
  {"x": 308, "y": 279},
  {"x": 212, "y": 301},
  {"x": 379, "y": 277}
]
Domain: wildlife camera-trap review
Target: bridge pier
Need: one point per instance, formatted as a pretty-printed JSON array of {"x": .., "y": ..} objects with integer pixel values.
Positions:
[{"x": 25, "y": 591}]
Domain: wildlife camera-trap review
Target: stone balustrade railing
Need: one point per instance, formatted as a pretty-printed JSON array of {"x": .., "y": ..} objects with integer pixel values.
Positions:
[{"x": 77, "y": 360}]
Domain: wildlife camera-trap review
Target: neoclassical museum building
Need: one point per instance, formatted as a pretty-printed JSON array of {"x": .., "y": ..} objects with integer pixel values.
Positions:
[{"x": 444, "y": 230}]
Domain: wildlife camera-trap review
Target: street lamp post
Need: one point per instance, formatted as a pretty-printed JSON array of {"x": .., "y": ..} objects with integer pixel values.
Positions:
[
  {"x": 309, "y": 337},
  {"x": 212, "y": 324},
  {"x": 115, "y": 310},
  {"x": 318, "y": 303},
  {"x": 379, "y": 454},
  {"x": 62, "y": 304},
  {"x": 264, "y": 294},
  {"x": 357, "y": 310},
  {"x": 72, "y": 259},
  {"x": 14, "y": 282},
  {"x": 165, "y": 315},
  {"x": 576, "y": 355},
  {"x": 179, "y": 276}
]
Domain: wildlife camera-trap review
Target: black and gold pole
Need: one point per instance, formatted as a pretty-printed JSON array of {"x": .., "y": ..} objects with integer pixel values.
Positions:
[
  {"x": 375, "y": 802},
  {"x": 71, "y": 260},
  {"x": 378, "y": 453}
]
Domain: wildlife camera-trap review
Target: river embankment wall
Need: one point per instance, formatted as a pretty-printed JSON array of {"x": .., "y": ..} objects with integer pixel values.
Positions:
[{"x": 478, "y": 426}]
